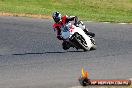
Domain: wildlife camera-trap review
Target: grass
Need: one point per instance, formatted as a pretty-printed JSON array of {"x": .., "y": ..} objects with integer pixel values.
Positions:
[{"x": 94, "y": 10}]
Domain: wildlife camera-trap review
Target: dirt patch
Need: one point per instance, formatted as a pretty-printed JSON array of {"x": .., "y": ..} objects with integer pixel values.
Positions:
[{"x": 26, "y": 15}]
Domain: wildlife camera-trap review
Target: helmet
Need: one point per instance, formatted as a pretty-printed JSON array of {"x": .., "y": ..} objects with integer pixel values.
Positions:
[{"x": 56, "y": 16}]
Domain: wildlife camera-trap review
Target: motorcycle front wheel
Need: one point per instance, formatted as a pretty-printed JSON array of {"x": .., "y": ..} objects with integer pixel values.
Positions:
[{"x": 81, "y": 42}]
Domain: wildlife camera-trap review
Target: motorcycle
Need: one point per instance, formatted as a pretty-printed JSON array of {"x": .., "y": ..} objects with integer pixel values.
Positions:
[{"x": 75, "y": 37}]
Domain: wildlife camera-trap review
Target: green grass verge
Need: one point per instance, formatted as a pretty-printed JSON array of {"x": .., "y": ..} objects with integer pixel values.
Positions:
[{"x": 94, "y": 10}]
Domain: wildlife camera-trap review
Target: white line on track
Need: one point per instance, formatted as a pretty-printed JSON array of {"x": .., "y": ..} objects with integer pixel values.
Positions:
[
  {"x": 107, "y": 22},
  {"x": 123, "y": 23}
]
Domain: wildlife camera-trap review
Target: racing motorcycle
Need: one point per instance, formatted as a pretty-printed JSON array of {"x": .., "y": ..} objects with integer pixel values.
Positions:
[{"x": 76, "y": 37}]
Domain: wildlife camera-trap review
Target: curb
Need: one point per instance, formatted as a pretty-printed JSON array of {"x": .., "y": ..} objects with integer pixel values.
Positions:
[{"x": 43, "y": 16}]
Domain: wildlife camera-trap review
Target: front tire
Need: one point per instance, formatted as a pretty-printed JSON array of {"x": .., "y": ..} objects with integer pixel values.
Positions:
[
  {"x": 81, "y": 42},
  {"x": 94, "y": 45}
]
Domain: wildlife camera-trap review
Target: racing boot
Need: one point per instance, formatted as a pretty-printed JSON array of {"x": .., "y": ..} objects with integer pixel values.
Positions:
[{"x": 89, "y": 33}]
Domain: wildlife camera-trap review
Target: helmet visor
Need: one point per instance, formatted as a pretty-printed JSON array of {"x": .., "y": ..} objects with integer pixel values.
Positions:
[{"x": 57, "y": 20}]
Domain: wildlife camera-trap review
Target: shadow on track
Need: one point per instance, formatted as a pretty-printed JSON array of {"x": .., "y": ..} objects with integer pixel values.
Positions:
[
  {"x": 36, "y": 53},
  {"x": 75, "y": 51},
  {"x": 54, "y": 52},
  {"x": 65, "y": 52},
  {"x": 27, "y": 53},
  {"x": 49, "y": 52}
]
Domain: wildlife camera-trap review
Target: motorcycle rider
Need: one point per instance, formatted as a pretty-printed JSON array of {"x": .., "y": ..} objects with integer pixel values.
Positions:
[{"x": 62, "y": 20}]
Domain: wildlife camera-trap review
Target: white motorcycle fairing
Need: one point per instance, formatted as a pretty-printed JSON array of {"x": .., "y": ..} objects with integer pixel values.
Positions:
[{"x": 68, "y": 30}]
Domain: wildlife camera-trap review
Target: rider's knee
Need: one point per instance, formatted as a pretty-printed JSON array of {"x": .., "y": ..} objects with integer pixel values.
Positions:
[{"x": 65, "y": 45}]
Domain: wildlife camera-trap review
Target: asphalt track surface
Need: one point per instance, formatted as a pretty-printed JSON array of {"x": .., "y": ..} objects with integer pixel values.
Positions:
[{"x": 32, "y": 57}]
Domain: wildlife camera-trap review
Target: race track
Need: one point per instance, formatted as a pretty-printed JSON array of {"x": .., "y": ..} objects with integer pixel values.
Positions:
[{"x": 32, "y": 57}]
